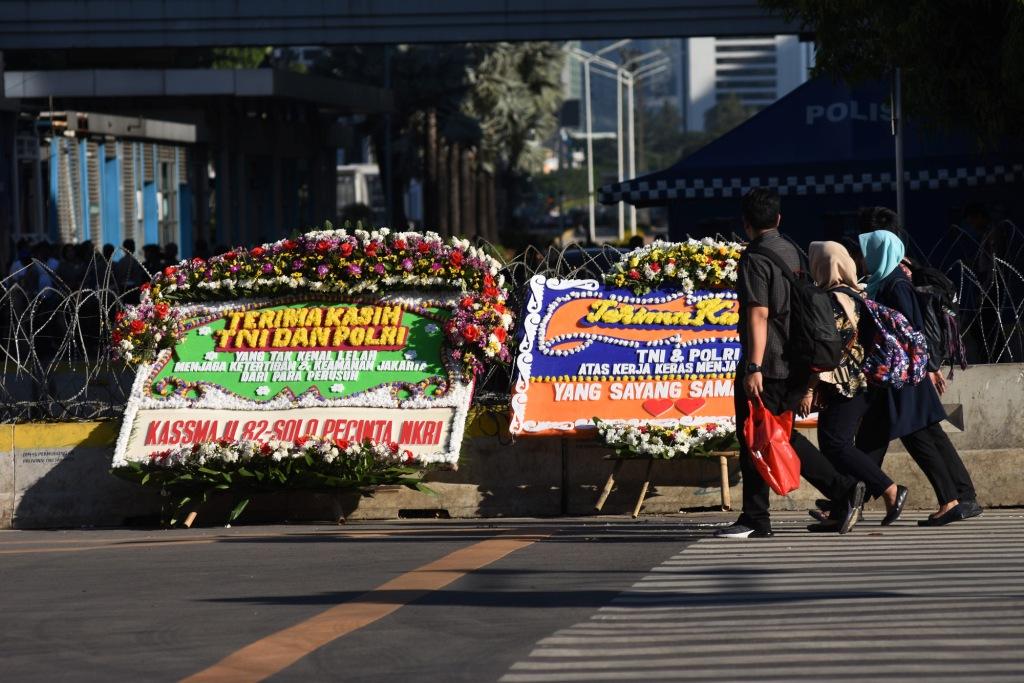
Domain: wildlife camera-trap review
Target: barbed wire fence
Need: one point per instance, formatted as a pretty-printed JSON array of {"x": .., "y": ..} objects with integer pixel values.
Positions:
[{"x": 55, "y": 329}]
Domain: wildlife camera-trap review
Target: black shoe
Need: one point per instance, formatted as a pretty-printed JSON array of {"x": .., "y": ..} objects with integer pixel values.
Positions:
[
  {"x": 854, "y": 502},
  {"x": 818, "y": 515},
  {"x": 970, "y": 508},
  {"x": 826, "y": 527},
  {"x": 738, "y": 530},
  {"x": 897, "y": 509},
  {"x": 953, "y": 515}
]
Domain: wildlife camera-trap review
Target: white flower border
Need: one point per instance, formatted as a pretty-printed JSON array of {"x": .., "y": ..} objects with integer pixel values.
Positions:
[
  {"x": 644, "y": 444},
  {"x": 459, "y": 395}
]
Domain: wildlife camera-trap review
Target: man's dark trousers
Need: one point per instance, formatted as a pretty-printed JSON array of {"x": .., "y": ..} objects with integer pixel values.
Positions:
[{"x": 779, "y": 396}]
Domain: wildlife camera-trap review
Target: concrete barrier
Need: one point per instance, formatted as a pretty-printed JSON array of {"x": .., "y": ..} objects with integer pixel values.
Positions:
[{"x": 56, "y": 475}]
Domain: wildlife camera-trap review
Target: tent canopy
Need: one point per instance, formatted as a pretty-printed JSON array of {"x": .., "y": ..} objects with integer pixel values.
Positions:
[{"x": 824, "y": 139}]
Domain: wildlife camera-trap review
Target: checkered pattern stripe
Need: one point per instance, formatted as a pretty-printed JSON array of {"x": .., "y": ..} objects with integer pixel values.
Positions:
[{"x": 653, "y": 191}]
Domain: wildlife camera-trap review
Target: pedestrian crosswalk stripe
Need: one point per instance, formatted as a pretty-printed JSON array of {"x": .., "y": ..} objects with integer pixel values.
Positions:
[{"x": 899, "y": 603}]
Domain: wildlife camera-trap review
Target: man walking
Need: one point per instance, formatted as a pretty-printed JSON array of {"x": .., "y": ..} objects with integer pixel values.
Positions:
[{"x": 767, "y": 371}]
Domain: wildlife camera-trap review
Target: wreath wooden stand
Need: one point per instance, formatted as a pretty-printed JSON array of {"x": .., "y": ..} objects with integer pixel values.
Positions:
[{"x": 723, "y": 459}]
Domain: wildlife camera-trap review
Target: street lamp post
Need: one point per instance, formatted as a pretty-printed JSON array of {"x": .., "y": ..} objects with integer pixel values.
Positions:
[
  {"x": 592, "y": 225},
  {"x": 631, "y": 78},
  {"x": 624, "y": 77}
]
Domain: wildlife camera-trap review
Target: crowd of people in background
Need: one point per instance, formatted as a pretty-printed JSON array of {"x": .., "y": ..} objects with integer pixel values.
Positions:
[{"x": 46, "y": 269}]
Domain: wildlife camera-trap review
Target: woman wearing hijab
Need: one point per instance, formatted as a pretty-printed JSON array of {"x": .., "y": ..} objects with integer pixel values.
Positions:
[
  {"x": 842, "y": 394},
  {"x": 911, "y": 413}
]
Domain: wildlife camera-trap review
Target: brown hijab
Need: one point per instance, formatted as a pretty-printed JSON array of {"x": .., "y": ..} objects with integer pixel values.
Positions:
[{"x": 831, "y": 267}]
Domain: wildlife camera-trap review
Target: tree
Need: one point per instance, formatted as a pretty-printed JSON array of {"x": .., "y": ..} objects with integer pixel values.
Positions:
[
  {"x": 515, "y": 95},
  {"x": 962, "y": 62},
  {"x": 725, "y": 116},
  {"x": 464, "y": 116}
]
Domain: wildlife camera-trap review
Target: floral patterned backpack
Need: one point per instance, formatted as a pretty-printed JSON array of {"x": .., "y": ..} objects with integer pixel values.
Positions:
[{"x": 898, "y": 354}]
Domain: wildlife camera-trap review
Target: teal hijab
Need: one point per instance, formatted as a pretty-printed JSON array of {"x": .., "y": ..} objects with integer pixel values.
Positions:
[{"x": 883, "y": 252}]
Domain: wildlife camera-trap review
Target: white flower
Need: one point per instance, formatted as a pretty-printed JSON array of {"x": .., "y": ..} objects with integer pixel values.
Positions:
[
  {"x": 337, "y": 388},
  {"x": 210, "y": 355},
  {"x": 263, "y": 391}
]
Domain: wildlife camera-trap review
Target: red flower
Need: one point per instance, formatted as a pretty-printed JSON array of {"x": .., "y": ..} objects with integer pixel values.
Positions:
[
  {"x": 655, "y": 267},
  {"x": 257, "y": 251},
  {"x": 371, "y": 249},
  {"x": 488, "y": 280},
  {"x": 634, "y": 274},
  {"x": 162, "y": 309},
  {"x": 230, "y": 256},
  {"x": 323, "y": 246},
  {"x": 409, "y": 457},
  {"x": 393, "y": 446},
  {"x": 711, "y": 426},
  {"x": 457, "y": 259},
  {"x": 491, "y": 292},
  {"x": 169, "y": 271},
  {"x": 302, "y": 440},
  {"x": 471, "y": 332},
  {"x": 116, "y": 337},
  {"x": 145, "y": 286},
  {"x": 346, "y": 248},
  {"x": 290, "y": 245},
  {"x": 265, "y": 449},
  {"x": 466, "y": 302},
  {"x": 501, "y": 334},
  {"x": 138, "y": 326},
  {"x": 500, "y": 308},
  {"x": 400, "y": 244},
  {"x": 197, "y": 261},
  {"x": 341, "y": 443},
  {"x": 119, "y": 316},
  {"x": 423, "y": 247}
]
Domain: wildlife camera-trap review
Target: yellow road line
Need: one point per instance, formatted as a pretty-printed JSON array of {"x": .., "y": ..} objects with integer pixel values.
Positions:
[
  {"x": 279, "y": 650},
  {"x": 107, "y": 543},
  {"x": 80, "y": 548}
]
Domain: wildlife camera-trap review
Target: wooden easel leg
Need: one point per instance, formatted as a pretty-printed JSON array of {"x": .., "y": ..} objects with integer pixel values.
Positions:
[
  {"x": 643, "y": 489},
  {"x": 726, "y": 494},
  {"x": 608, "y": 485}
]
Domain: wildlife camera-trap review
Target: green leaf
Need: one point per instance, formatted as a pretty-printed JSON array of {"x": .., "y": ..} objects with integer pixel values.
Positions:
[
  {"x": 238, "y": 510},
  {"x": 423, "y": 488}
]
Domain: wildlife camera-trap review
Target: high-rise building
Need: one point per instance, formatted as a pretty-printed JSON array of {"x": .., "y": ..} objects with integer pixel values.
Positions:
[{"x": 757, "y": 70}]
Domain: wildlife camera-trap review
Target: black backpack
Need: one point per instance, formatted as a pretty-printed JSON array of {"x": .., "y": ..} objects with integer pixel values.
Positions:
[
  {"x": 936, "y": 295},
  {"x": 814, "y": 342}
]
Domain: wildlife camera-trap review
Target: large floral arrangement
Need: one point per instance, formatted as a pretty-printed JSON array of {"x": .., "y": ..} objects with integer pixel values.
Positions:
[
  {"x": 141, "y": 332},
  {"x": 189, "y": 475},
  {"x": 333, "y": 261},
  {"x": 690, "y": 265},
  {"x": 666, "y": 443}
]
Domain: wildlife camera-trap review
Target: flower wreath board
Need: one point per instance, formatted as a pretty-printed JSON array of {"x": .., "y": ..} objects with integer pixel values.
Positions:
[
  {"x": 317, "y": 351},
  {"x": 648, "y": 357}
]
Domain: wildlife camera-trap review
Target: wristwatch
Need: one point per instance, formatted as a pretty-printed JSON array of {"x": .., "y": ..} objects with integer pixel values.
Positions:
[{"x": 752, "y": 368}]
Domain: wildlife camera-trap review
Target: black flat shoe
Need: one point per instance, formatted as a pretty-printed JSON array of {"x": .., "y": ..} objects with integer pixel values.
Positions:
[
  {"x": 854, "y": 503},
  {"x": 970, "y": 508},
  {"x": 897, "y": 509},
  {"x": 818, "y": 515},
  {"x": 953, "y": 515}
]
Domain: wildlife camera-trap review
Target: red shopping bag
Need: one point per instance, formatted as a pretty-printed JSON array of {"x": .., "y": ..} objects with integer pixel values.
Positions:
[{"x": 767, "y": 437}]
